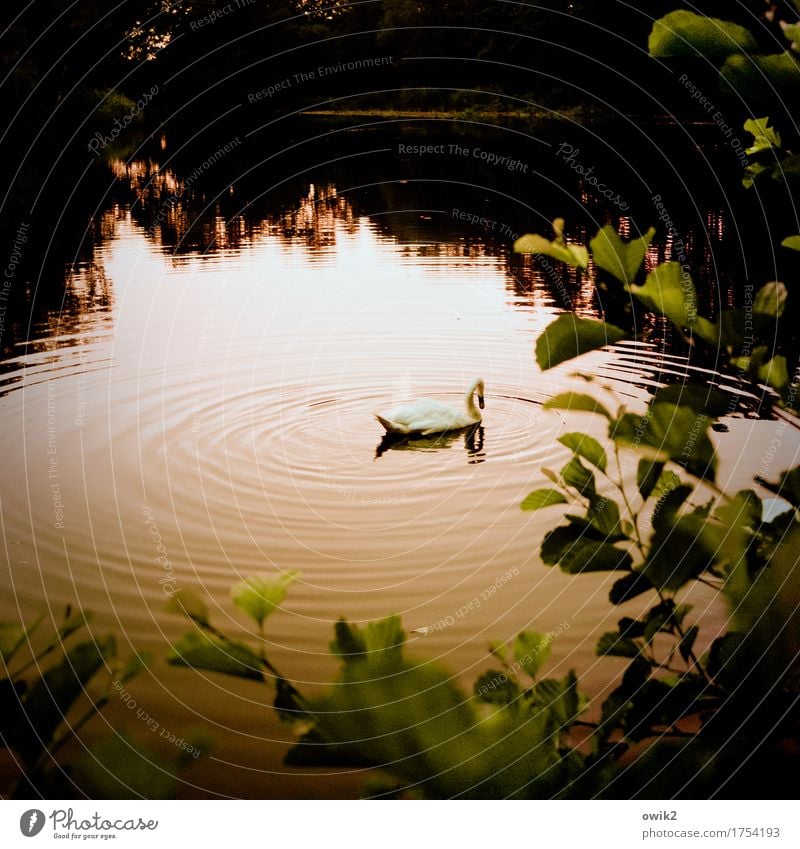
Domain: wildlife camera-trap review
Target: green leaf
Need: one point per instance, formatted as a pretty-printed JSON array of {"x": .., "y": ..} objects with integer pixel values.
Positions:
[
  {"x": 787, "y": 487},
  {"x": 496, "y": 688},
  {"x": 604, "y": 515},
  {"x": 135, "y": 664},
  {"x": 679, "y": 552},
  {"x": 200, "y": 650},
  {"x": 669, "y": 503},
  {"x": 771, "y": 300},
  {"x": 587, "y": 447},
  {"x": 50, "y": 698},
  {"x": 531, "y": 651},
  {"x": 792, "y": 242},
  {"x": 707, "y": 330},
  {"x": 668, "y": 482},
  {"x": 629, "y": 587},
  {"x": 498, "y": 650},
  {"x": 765, "y": 609},
  {"x": 701, "y": 399},
  {"x": 259, "y": 596},
  {"x": 413, "y": 722},
  {"x": 630, "y": 628},
  {"x": 647, "y": 474},
  {"x": 313, "y": 751},
  {"x": 669, "y": 432},
  {"x": 289, "y": 704},
  {"x": 578, "y": 402},
  {"x": 725, "y": 658},
  {"x": 669, "y": 291},
  {"x": 757, "y": 78},
  {"x": 764, "y": 136},
  {"x": 686, "y": 644},
  {"x": 574, "y": 255},
  {"x": 558, "y": 542},
  {"x": 635, "y": 675},
  {"x": 379, "y": 643},
  {"x": 117, "y": 768},
  {"x": 771, "y": 534},
  {"x": 569, "y": 336},
  {"x": 576, "y": 475},
  {"x": 191, "y": 605},
  {"x": 73, "y": 622},
  {"x": 789, "y": 167},
  {"x": 551, "y": 476},
  {"x": 792, "y": 32},
  {"x": 729, "y": 532},
  {"x": 614, "y": 644},
  {"x": 560, "y": 698},
  {"x": 348, "y": 641},
  {"x": 655, "y": 621},
  {"x": 612, "y": 717},
  {"x": 735, "y": 329},
  {"x": 773, "y": 372},
  {"x": 12, "y": 636},
  {"x": 680, "y": 612},
  {"x": 622, "y": 259},
  {"x": 540, "y": 498},
  {"x": 591, "y": 556},
  {"x": 752, "y": 172},
  {"x": 647, "y": 710},
  {"x": 685, "y": 34},
  {"x": 744, "y": 509},
  {"x": 200, "y": 744}
]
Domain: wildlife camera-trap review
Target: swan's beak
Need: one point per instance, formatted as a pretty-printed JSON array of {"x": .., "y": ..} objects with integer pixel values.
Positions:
[{"x": 481, "y": 402}]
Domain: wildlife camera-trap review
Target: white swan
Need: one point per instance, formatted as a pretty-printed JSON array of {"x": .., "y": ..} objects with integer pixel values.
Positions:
[{"x": 426, "y": 417}]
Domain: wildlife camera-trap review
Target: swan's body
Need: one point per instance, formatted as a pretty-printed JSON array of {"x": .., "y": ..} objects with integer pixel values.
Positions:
[{"x": 426, "y": 417}]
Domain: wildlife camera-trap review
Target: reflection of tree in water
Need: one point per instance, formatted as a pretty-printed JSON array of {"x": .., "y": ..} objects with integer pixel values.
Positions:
[
  {"x": 473, "y": 437},
  {"x": 214, "y": 213},
  {"x": 315, "y": 219},
  {"x": 181, "y": 214},
  {"x": 77, "y": 318},
  {"x": 223, "y": 211},
  {"x": 698, "y": 249}
]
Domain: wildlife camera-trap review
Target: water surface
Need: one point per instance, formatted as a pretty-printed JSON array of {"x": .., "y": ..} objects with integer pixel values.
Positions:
[{"x": 199, "y": 407}]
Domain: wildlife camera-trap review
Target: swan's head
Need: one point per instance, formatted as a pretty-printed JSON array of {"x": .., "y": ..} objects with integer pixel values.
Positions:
[{"x": 477, "y": 386}]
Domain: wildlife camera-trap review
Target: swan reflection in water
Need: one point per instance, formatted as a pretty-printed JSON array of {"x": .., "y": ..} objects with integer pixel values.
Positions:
[{"x": 473, "y": 442}]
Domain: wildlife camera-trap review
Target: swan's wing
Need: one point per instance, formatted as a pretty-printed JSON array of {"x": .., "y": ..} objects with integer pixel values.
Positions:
[
  {"x": 390, "y": 425},
  {"x": 427, "y": 416},
  {"x": 420, "y": 409}
]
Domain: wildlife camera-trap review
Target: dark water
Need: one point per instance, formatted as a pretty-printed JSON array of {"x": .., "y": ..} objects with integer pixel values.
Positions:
[{"x": 205, "y": 376}]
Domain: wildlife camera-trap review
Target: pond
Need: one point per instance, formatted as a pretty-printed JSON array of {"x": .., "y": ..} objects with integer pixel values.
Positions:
[{"x": 198, "y": 405}]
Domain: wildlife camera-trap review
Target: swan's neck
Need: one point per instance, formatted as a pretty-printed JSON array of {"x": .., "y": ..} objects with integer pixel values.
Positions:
[{"x": 469, "y": 401}]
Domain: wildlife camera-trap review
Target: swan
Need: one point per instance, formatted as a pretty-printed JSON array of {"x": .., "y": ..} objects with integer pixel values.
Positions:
[{"x": 426, "y": 417}]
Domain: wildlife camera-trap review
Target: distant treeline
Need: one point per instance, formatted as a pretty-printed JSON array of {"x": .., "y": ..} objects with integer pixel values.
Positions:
[
  {"x": 80, "y": 79},
  {"x": 68, "y": 65}
]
